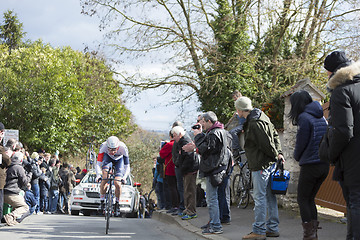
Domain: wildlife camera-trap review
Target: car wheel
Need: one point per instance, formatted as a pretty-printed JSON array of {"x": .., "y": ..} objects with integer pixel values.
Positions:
[
  {"x": 75, "y": 212},
  {"x": 86, "y": 212},
  {"x": 133, "y": 214}
]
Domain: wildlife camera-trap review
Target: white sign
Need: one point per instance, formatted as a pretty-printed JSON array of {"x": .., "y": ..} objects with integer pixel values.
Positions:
[{"x": 10, "y": 133}]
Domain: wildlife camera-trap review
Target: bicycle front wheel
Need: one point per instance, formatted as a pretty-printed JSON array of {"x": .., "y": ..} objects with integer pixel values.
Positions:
[
  {"x": 240, "y": 191},
  {"x": 108, "y": 211}
]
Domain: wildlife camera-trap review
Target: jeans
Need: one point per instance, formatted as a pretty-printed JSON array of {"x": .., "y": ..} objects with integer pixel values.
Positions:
[
  {"x": 44, "y": 201},
  {"x": 213, "y": 205},
  {"x": 352, "y": 198},
  {"x": 159, "y": 190},
  {"x": 224, "y": 200},
  {"x": 53, "y": 200},
  {"x": 36, "y": 190},
  {"x": 180, "y": 187},
  {"x": 265, "y": 202}
]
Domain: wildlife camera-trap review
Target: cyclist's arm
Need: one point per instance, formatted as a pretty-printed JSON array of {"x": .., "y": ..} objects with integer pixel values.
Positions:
[
  {"x": 126, "y": 167},
  {"x": 99, "y": 165}
]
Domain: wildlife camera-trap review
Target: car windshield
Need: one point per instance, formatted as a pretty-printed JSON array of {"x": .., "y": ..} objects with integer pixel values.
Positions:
[{"x": 90, "y": 178}]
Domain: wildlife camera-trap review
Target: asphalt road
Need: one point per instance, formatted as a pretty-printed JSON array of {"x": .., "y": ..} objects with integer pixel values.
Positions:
[{"x": 93, "y": 227}]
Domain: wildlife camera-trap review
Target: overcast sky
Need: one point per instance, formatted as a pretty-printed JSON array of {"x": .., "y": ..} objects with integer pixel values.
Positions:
[{"x": 60, "y": 23}]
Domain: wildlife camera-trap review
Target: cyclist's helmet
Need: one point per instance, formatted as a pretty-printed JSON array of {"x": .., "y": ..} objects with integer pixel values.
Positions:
[{"x": 113, "y": 142}]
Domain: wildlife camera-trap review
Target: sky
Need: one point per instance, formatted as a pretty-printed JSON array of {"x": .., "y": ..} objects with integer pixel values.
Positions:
[{"x": 60, "y": 23}]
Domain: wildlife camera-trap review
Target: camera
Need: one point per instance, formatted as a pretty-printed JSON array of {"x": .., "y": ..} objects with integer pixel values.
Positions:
[{"x": 196, "y": 126}]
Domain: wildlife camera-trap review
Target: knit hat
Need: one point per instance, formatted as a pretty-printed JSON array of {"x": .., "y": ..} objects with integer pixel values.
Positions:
[
  {"x": 336, "y": 60},
  {"x": 35, "y": 156},
  {"x": 243, "y": 104}
]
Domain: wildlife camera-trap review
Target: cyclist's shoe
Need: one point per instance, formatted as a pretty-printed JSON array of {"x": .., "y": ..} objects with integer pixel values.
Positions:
[
  {"x": 117, "y": 210},
  {"x": 101, "y": 208}
]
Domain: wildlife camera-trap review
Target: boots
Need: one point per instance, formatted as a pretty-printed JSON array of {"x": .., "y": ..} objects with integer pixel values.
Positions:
[
  {"x": 309, "y": 231},
  {"x": 315, "y": 226}
]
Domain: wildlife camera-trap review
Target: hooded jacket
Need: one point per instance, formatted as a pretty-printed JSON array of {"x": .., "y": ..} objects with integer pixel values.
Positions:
[
  {"x": 262, "y": 143},
  {"x": 311, "y": 127},
  {"x": 16, "y": 177},
  {"x": 344, "y": 140}
]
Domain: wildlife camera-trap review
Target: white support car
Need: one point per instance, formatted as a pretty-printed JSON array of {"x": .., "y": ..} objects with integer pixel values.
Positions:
[{"x": 85, "y": 197}]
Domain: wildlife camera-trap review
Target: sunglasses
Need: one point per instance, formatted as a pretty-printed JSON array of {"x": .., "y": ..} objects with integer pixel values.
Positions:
[{"x": 112, "y": 149}]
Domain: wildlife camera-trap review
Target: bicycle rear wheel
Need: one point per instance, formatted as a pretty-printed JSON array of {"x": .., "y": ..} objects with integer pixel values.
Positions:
[{"x": 241, "y": 191}]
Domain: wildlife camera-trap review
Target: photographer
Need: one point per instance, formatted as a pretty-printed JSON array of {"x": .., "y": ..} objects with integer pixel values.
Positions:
[{"x": 16, "y": 179}]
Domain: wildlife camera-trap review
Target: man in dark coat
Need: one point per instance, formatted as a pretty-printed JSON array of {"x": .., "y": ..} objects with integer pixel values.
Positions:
[
  {"x": 344, "y": 138},
  {"x": 189, "y": 165}
]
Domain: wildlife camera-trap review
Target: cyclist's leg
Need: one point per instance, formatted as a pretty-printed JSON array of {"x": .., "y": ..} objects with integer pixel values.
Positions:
[{"x": 118, "y": 178}]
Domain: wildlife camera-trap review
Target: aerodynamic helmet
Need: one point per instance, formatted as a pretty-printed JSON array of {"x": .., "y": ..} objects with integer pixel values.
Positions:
[{"x": 113, "y": 142}]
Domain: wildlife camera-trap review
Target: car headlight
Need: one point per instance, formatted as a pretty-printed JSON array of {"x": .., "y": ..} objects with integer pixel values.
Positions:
[
  {"x": 78, "y": 192},
  {"x": 126, "y": 194}
]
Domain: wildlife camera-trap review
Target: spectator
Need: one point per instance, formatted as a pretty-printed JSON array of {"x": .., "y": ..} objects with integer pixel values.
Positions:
[
  {"x": 54, "y": 185},
  {"x": 16, "y": 179},
  {"x": 68, "y": 183},
  {"x": 214, "y": 159},
  {"x": 237, "y": 129},
  {"x": 344, "y": 137},
  {"x": 189, "y": 166},
  {"x": 30, "y": 201},
  {"x": 308, "y": 116},
  {"x": 179, "y": 177},
  {"x": 5, "y": 161},
  {"x": 44, "y": 183},
  {"x": 262, "y": 147},
  {"x": 35, "y": 187},
  {"x": 158, "y": 182},
  {"x": 170, "y": 185}
]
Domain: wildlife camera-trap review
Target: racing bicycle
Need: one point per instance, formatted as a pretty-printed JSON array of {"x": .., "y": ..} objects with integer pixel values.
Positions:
[
  {"x": 241, "y": 184},
  {"x": 109, "y": 198}
]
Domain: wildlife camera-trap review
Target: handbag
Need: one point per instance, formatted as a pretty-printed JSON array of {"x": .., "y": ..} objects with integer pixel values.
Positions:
[
  {"x": 279, "y": 179},
  {"x": 165, "y": 167}
]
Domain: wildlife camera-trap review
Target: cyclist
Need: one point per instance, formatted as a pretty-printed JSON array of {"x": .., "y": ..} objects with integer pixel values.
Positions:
[{"x": 112, "y": 152}]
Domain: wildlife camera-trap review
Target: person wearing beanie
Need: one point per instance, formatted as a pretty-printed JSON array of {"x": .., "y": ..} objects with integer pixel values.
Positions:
[
  {"x": 262, "y": 149},
  {"x": 344, "y": 136},
  {"x": 16, "y": 179},
  {"x": 4, "y": 163}
]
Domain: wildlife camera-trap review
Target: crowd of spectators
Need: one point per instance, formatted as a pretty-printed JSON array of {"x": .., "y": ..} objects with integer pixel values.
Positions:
[{"x": 37, "y": 184}]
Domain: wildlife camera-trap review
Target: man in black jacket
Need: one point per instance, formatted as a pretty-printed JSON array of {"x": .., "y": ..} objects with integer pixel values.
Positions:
[
  {"x": 16, "y": 179},
  {"x": 189, "y": 165},
  {"x": 344, "y": 138},
  {"x": 212, "y": 146}
]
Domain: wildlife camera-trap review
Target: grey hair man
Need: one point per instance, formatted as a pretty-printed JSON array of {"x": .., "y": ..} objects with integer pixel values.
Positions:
[{"x": 210, "y": 145}]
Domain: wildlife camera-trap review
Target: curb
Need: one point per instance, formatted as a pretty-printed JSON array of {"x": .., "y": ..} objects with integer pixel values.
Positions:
[{"x": 185, "y": 224}]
